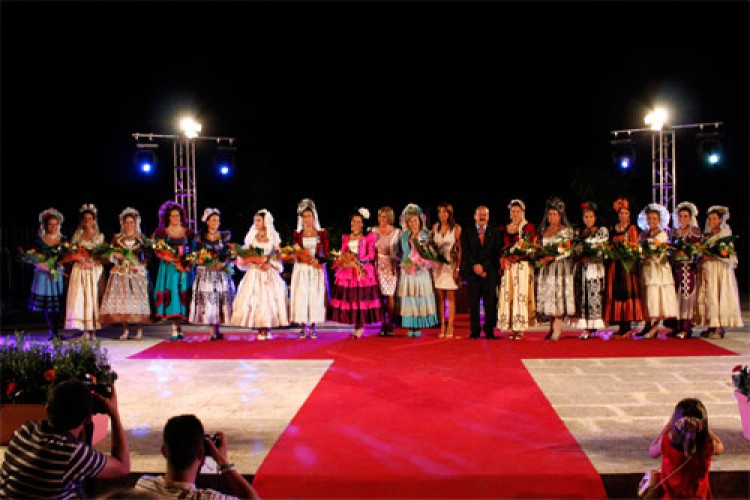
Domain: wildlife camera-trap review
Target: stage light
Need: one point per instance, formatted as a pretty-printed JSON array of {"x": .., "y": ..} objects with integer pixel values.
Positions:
[
  {"x": 657, "y": 118},
  {"x": 145, "y": 157},
  {"x": 623, "y": 153},
  {"x": 709, "y": 148},
  {"x": 224, "y": 159},
  {"x": 190, "y": 127}
]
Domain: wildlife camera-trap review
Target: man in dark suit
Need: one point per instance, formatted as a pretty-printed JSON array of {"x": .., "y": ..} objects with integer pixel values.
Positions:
[{"x": 480, "y": 266}]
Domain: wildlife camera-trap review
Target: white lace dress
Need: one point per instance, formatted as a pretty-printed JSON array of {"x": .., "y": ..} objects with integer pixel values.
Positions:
[{"x": 555, "y": 290}]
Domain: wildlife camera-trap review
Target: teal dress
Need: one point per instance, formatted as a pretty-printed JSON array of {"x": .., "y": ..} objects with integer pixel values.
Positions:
[
  {"x": 415, "y": 291},
  {"x": 46, "y": 290},
  {"x": 172, "y": 287}
]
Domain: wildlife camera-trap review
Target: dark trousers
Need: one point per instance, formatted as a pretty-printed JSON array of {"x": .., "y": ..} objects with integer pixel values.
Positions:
[{"x": 487, "y": 291}]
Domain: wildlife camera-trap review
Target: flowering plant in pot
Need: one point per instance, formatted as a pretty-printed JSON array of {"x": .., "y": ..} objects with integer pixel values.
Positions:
[{"x": 29, "y": 370}]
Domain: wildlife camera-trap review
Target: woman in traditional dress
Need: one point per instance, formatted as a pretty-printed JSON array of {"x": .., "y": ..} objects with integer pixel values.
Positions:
[
  {"x": 387, "y": 265},
  {"x": 356, "y": 294},
  {"x": 47, "y": 285},
  {"x": 685, "y": 269},
  {"x": 86, "y": 278},
  {"x": 446, "y": 234},
  {"x": 174, "y": 279},
  {"x": 415, "y": 293},
  {"x": 309, "y": 284},
  {"x": 623, "y": 304},
  {"x": 659, "y": 296},
  {"x": 126, "y": 296},
  {"x": 555, "y": 293},
  {"x": 516, "y": 304},
  {"x": 262, "y": 299},
  {"x": 590, "y": 274},
  {"x": 213, "y": 288},
  {"x": 718, "y": 297}
]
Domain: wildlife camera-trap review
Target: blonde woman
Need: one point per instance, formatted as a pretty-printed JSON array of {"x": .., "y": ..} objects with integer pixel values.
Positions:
[{"x": 387, "y": 265}]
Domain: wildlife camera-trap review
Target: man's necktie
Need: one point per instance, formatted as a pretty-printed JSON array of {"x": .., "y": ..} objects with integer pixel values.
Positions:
[{"x": 481, "y": 235}]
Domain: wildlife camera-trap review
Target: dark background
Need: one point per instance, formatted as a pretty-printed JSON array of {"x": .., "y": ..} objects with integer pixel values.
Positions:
[{"x": 363, "y": 104}]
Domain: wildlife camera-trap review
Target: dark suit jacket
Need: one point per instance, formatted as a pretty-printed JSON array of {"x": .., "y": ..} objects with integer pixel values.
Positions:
[{"x": 474, "y": 252}]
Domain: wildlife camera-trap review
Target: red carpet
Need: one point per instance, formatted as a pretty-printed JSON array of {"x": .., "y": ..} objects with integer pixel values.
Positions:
[{"x": 426, "y": 417}]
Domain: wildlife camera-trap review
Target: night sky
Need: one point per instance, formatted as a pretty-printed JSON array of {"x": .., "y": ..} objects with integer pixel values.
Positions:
[{"x": 362, "y": 104}]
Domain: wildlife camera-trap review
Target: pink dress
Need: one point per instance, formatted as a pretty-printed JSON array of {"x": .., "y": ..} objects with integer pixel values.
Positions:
[{"x": 356, "y": 295}]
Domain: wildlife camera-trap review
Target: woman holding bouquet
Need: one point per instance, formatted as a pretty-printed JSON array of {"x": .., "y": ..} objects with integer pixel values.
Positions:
[
  {"x": 555, "y": 283},
  {"x": 356, "y": 295},
  {"x": 516, "y": 304},
  {"x": 685, "y": 238},
  {"x": 415, "y": 286},
  {"x": 623, "y": 284},
  {"x": 309, "y": 285},
  {"x": 85, "y": 285},
  {"x": 660, "y": 299},
  {"x": 387, "y": 265},
  {"x": 47, "y": 285},
  {"x": 262, "y": 298},
  {"x": 590, "y": 273},
  {"x": 213, "y": 288},
  {"x": 447, "y": 236},
  {"x": 173, "y": 279},
  {"x": 126, "y": 296},
  {"x": 718, "y": 298}
]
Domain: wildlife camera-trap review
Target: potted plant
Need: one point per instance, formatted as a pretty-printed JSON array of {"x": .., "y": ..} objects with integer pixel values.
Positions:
[
  {"x": 29, "y": 370},
  {"x": 741, "y": 381}
]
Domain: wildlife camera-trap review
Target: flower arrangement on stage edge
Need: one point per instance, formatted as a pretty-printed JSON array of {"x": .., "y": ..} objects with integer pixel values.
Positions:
[
  {"x": 28, "y": 370},
  {"x": 741, "y": 380}
]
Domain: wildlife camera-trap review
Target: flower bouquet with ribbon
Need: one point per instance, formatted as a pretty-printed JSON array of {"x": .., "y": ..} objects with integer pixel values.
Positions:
[
  {"x": 626, "y": 253},
  {"x": 346, "y": 259},
  {"x": 652, "y": 249},
  {"x": 721, "y": 247},
  {"x": 685, "y": 251},
  {"x": 47, "y": 259}
]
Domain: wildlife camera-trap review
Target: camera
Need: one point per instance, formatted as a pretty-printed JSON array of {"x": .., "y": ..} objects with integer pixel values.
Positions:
[
  {"x": 104, "y": 390},
  {"x": 215, "y": 439}
]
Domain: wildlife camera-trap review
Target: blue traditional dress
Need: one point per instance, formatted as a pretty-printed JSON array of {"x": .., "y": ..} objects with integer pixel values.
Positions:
[
  {"x": 46, "y": 290},
  {"x": 415, "y": 292},
  {"x": 213, "y": 289},
  {"x": 172, "y": 287}
]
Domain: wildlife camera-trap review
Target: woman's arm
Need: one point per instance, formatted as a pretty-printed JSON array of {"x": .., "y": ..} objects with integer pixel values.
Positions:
[
  {"x": 718, "y": 445},
  {"x": 655, "y": 449}
]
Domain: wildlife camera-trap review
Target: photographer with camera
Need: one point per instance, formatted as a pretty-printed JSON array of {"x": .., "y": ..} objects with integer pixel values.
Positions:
[
  {"x": 185, "y": 446},
  {"x": 52, "y": 458}
]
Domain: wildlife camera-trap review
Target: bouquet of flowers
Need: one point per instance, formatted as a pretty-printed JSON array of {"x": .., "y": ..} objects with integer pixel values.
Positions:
[
  {"x": 594, "y": 249},
  {"x": 210, "y": 260},
  {"x": 300, "y": 254},
  {"x": 722, "y": 247},
  {"x": 626, "y": 253},
  {"x": 168, "y": 253},
  {"x": 684, "y": 251},
  {"x": 523, "y": 249},
  {"x": 48, "y": 258},
  {"x": 105, "y": 252},
  {"x": 249, "y": 255},
  {"x": 346, "y": 259},
  {"x": 655, "y": 249},
  {"x": 554, "y": 250},
  {"x": 428, "y": 250},
  {"x": 75, "y": 253}
]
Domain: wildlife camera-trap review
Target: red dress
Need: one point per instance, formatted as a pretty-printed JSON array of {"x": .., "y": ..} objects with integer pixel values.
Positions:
[
  {"x": 692, "y": 480},
  {"x": 623, "y": 295}
]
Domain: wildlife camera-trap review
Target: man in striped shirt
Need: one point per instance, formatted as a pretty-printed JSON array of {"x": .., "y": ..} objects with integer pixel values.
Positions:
[{"x": 51, "y": 458}]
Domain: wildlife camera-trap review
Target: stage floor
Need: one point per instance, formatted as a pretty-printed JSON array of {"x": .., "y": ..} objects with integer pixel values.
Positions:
[{"x": 613, "y": 406}]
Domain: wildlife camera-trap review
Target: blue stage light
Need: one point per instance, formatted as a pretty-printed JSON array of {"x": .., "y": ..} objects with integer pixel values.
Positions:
[
  {"x": 145, "y": 157},
  {"x": 624, "y": 163},
  {"x": 710, "y": 149},
  {"x": 224, "y": 170},
  {"x": 623, "y": 153},
  {"x": 224, "y": 160},
  {"x": 146, "y": 167}
]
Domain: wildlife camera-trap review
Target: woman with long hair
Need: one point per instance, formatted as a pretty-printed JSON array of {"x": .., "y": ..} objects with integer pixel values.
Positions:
[
  {"x": 446, "y": 234},
  {"x": 686, "y": 445},
  {"x": 590, "y": 273},
  {"x": 387, "y": 265}
]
